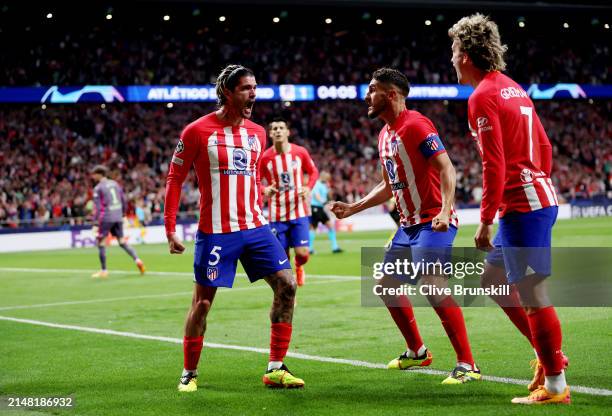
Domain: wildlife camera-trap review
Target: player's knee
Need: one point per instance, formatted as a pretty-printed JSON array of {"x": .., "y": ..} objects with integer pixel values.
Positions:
[
  {"x": 290, "y": 288},
  {"x": 201, "y": 306},
  {"x": 287, "y": 285}
]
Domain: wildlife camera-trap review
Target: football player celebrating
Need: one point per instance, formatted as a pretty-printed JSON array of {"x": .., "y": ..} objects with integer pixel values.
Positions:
[
  {"x": 516, "y": 165},
  {"x": 224, "y": 148},
  {"x": 418, "y": 173}
]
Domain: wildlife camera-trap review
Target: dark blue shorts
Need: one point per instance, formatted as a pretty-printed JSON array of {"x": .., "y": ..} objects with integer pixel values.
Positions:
[
  {"x": 420, "y": 243},
  {"x": 216, "y": 256},
  {"x": 114, "y": 228},
  {"x": 293, "y": 233},
  {"x": 522, "y": 243}
]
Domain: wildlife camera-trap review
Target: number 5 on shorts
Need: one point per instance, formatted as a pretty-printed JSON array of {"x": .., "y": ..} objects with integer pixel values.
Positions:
[{"x": 214, "y": 256}]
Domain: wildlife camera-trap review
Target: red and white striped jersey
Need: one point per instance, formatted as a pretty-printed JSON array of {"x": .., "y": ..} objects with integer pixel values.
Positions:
[
  {"x": 225, "y": 160},
  {"x": 287, "y": 171},
  {"x": 405, "y": 149},
  {"x": 516, "y": 152}
]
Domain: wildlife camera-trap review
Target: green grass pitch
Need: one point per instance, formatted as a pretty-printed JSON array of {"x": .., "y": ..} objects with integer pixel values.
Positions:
[{"x": 115, "y": 375}]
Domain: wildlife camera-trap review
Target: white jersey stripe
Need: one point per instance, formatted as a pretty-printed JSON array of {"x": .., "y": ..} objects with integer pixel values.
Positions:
[
  {"x": 233, "y": 180},
  {"x": 272, "y": 205},
  {"x": 412, "y": 187},
  {"x": 292, "y": 207},
  {"x": 281, "y": 195},
  {"x": 544, "y": 184},
  {"x": 301, "y": 212},
  {"x": 532, "y": 196},
  {"x": 248, "y": 181},
  {"x": 215, "y": 184},
  {"x": 552, "y": 189}
]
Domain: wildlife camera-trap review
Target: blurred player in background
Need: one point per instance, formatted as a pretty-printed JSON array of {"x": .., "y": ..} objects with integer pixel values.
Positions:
[
  {"x": 320, "y": 197},
  {"x": 516, "y": 167},
  {"x": 224, "y": 148},
  {"x": 418, "y": 173},
  {"x": 109, "y": 211},
  {"x": 283, "y": 167}
]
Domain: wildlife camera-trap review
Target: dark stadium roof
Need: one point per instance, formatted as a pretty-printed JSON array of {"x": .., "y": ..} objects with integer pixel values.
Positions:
[{"x": 487, "y": 4}]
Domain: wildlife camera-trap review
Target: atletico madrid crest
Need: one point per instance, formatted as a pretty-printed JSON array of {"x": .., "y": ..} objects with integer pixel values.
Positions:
[
  {"x": 252, "y": 140},
  {"x": 432, "y": 144},
  {"x": 212, "y": 273}
]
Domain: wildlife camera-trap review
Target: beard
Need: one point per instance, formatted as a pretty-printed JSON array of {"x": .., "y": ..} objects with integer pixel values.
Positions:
[{"x": 376, "y": 112}]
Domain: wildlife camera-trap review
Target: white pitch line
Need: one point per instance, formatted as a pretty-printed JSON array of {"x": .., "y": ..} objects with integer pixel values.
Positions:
[
  {"x": 84, "y": 302},
  {"x": 355, "y": 363},
  {"x": 151, "y": 273},
  {"x": 152, "y": 296}
]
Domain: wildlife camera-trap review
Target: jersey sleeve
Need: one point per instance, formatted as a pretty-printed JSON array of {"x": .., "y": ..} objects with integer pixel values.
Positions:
[
  {"x": 185, "y": 153},
  {"x": 262, "y": 169},
  {"x": 485, "y": 119},
  {"x": 309, "y": 168},
  {"x": 429, "y": 141}
]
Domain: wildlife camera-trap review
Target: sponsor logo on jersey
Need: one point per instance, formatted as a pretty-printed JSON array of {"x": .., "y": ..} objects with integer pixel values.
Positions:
[
  {"x": 179, "y": 147},
  {"x": 285, "y": 178},
  {"x": 399, "y": 185},
  {"x": 177, "y": 160},
  {"x": 483, "y": 125},
  {"x": 512, "y": 92},
  {"x": 390, "y": 167},
  {"x": 237, "y": 172},
  {"x": 240, "y": 159},
  {"x": 526, "y": 175}
]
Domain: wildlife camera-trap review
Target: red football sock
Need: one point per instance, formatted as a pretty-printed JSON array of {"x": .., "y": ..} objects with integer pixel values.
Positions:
[
  {"x": 452, "y": 320},
  {"x": 403, "y": 315},
  {"x": 192, "y": 348},
  {"x": 280, "y": 336},
  {"x": 514, "y": 310},
  {"x": 301, "y": 260},
  {"x": 546, "y": 335}
]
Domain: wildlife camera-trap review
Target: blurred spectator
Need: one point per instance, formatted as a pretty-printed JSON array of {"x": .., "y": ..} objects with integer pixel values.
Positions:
[{"x": 45, "y": 155}]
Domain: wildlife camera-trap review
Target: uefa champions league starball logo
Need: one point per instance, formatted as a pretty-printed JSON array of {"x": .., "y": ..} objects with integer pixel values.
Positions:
[{"x": 179, "y": 147}]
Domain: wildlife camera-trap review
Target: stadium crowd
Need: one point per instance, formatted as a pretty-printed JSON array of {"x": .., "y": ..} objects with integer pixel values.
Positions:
[
  {"x": 46, "y": 154},
  {"x": 189, "y": 53}
]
